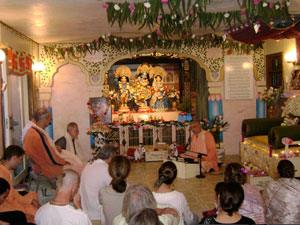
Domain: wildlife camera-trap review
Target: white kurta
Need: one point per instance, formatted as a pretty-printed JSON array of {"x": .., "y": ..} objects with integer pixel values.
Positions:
[
  {"x": 178, "y": 201},
  {"x": 94, "y": 177},
  {"x": 50, "y": 214}
]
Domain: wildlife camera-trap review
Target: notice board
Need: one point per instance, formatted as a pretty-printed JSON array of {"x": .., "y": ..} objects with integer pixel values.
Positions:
[{"x": 238, "y": 77}]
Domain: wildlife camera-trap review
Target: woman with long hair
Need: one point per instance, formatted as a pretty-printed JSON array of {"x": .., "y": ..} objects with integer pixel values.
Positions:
[
  {"x": 164, "y": 194},
  {"x": 111, "y": 197},
  {"x": 282, "y": 197},
  {"x": 230, "y": 199},
  {"x": 253, "y": 205}
]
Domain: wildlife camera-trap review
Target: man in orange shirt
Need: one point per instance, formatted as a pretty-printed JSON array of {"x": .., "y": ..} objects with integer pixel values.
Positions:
[
  {"x": 203, "y": 142},
  {"x": 28, "y": 203}
]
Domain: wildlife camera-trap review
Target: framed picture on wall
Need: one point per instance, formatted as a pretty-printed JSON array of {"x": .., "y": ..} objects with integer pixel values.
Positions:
[{"x": 100, "y": 110}]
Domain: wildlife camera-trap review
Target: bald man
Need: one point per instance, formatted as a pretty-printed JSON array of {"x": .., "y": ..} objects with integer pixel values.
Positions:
[
  {"x": 204, "y": 142},
  {"x": 59, "y": 210},
  {"x": 37, "y": 145}
]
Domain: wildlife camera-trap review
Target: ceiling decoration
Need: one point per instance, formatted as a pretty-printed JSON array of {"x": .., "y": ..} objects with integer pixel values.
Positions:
[
  {"x": 151, "y": 40},
  {"x": 178, "y": 17}
]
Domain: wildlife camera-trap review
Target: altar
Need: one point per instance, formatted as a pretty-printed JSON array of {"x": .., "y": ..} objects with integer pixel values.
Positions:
[{"x": 166, "y": 116}]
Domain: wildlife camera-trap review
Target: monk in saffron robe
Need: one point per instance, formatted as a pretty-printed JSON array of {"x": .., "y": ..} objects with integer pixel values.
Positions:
[
  {"x": 203, "y": 142},
  {"x": 28, "y": 204}
]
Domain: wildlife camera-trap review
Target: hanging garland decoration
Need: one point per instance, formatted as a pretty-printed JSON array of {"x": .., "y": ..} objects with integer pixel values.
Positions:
[
  {"x": 178, "y": 16},
  {"x": 151, "y": 40}
]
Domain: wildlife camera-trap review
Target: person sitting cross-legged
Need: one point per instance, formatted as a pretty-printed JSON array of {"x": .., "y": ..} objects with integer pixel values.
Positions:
[
  {"x": 59, "y": 211},
  {"x": 29, "y": 203},
  {"x": 230, "y": 199},
  {"x": 164, "y": 194},
  {"x": 139, "y": 197}
]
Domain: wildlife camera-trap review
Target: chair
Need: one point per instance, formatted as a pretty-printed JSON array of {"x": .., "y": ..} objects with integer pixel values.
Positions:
[{"x": 39, "y": 178}]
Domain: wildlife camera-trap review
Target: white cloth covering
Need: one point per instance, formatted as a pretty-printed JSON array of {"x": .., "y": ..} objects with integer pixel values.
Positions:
[
  {"x": 50, "y": 214},
  {"x": 94, "y": 177},
  {"x": 178, "y": 201},
  {"x": 25, "y": 129},
  {"x": 165, "y": 219}
]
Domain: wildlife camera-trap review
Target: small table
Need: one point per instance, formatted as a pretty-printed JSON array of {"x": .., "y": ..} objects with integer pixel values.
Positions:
[
  {"x": 186, "y": 170},
  {"x": 152, "y": 156}
]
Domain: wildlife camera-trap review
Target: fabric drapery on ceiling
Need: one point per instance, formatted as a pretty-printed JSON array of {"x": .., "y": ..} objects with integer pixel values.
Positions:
[{"x": 248, "y": 35}]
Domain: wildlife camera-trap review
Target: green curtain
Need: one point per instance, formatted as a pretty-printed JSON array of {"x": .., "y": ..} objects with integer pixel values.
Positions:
[{"x": 198, "y": 78}]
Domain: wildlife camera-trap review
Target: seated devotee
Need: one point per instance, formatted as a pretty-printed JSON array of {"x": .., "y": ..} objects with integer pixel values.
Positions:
[
  {"x": 9, "y": 217},
  {"x": 203, "y": 142},
  {"x": 164, "y": 194},
  {"x": 59, "y": 211},
  {"x": 282, "y": 197},
  {"x": 29, "y": 203},
  {"x": 253, "y": 205},
  {"x": 111, "y": 197},
  {"x": 216, "y": 210},
  {"x": 145, "y": 217},
  {"x": 40, "y": 147},
  {"x": 138, "y": 197},
  {"x": 70, "y": 141},
  {"x": 231, "y": 198},
  {"x": 94, "y": 177}
]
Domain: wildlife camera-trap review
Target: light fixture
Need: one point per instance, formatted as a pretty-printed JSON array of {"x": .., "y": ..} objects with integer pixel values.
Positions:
[
  {"x": 2, "y": 55},
  {"x": 291, "y": 57},
  {"x": 38, "y": 67}
]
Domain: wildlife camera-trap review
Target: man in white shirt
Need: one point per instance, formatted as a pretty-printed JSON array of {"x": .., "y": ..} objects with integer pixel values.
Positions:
[
  {"x": 70, "y": 141},
  {"x": 94, "y": 177},
  {"x": 59, "y": 211}
]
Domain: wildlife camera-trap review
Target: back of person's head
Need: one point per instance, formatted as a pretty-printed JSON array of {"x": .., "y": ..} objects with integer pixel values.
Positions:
[
  {"x": 235, "y": 172},
  {"x": 71, "y": 126},
  {"x": 13, "y": 150},
  {"x": 166, "y": 173},
  {"x": 231, "y": 197},
  {"x": 4, "y": 186},
  {"x": 106, "y": 152},
  {"x": 119, "y": 169},
  {"x": 145, "y": 217},
  {"x": 137, "y": 197},
  {"x": 40, "y": 114},
  {"x": 218, "y": 188},
  {"x": 67, "y": 179},
  {"x": 286, "y": 169}
]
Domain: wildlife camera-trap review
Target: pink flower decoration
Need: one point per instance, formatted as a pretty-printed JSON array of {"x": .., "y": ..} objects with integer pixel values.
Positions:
[
  {"x": 173, "y": 42},
  {"x": 140, "y": 38},
  {"x": 123, "y": 41},
  {"x": 105, "y": 5},
  {"x": 158, "y": 32},
  {"x": 97, "y": 41},
  {"x": 243, "y": 13},
  {"x": 255, "y": 2},
  {"x": 286, "y": 141},
  {"x": 187, "y": 34},
  {"x": 132, "y": 8},
  {"x": 164, "y": 1},
  {"x": 270, "y": 5},
  {"x": 82, "y": 46},
  {"x": 192, "y": 12},
  {"x": 244, "y": 170},
  {"x": 159, "y": 17},
  {"x": 197, "y": 38},
  {"x": 282, "y": 6}
]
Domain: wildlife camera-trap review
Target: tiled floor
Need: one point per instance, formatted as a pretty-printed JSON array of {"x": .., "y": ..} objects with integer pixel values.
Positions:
[{"x": 198, "y": 192}]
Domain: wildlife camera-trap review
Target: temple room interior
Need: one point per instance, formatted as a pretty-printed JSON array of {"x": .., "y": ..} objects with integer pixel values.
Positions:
[{"x": 232, "y": 65}]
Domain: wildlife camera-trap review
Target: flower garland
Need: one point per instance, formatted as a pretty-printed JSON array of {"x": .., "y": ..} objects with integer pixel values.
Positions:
[
  {"x": 101, "y": 117},
  {"x": 177, "y": 17},
  {"x": 148, "y": 41}
]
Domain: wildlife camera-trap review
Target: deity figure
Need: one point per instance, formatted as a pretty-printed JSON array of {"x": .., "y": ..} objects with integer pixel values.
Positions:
[
  {"x": 139, "y": 152},
  {"x": 141, "y": 89},
  {"x": 123, "y": 74},
  {"x": 159, "y": 101}
]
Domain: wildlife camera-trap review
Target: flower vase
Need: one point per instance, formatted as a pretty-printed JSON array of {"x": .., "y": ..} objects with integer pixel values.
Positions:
[{"x": 271, "y": 111}]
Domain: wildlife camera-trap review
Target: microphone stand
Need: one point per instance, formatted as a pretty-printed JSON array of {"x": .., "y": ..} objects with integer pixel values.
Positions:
[{"x": 200, "y": 162}]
